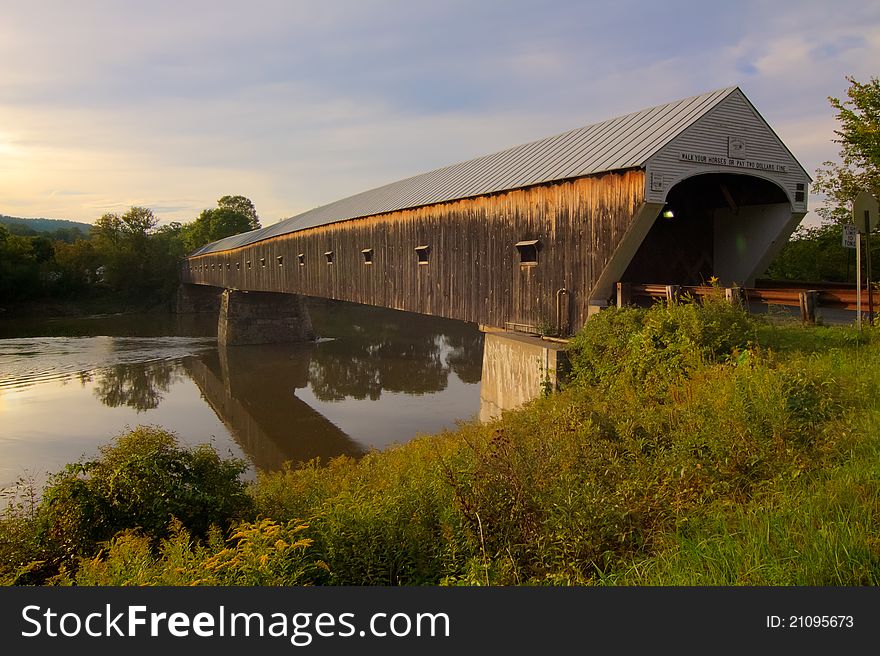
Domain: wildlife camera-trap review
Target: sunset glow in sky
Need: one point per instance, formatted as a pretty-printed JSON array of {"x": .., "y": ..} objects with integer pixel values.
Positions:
[{"x": 170, "y": 105}]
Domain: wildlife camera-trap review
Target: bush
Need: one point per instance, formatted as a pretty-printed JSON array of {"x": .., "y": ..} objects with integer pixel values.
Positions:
[
  {"x": 142, "y": 480},
  {"x": 654, "y": 347},
  {"x": 20, "y": 543}
]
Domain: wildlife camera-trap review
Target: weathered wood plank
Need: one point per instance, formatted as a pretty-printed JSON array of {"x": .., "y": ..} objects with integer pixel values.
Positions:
[{"x": 474, "y": 271}]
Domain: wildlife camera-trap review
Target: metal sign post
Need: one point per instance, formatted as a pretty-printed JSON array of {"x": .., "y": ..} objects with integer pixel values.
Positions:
[
  {"x": 859, "y": 280},
  {"x": 868, "y": 274}
]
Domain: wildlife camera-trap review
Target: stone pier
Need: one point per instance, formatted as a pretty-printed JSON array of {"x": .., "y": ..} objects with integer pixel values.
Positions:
[
  {"x": 193, "y": 299},
  {"x": 516, "y": 369},
  {"x": 262, "y": 318}
]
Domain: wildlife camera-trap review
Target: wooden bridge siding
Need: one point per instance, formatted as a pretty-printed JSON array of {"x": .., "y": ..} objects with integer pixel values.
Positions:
[{"x": 473, "y": 272}]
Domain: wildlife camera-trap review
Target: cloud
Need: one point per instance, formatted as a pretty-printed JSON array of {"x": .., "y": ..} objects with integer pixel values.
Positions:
[{"x": 172, "y": 105}]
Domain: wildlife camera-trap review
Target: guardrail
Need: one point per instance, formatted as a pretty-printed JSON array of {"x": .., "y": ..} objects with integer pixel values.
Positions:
[{"x": 808, "y": 300}]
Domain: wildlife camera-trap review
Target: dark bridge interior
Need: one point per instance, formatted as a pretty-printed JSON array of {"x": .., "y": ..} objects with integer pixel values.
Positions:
[{"x": 681, "y": 249}]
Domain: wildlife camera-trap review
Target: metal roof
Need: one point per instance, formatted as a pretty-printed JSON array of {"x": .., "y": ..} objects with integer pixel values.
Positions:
[{"x": 619, "y": 143}]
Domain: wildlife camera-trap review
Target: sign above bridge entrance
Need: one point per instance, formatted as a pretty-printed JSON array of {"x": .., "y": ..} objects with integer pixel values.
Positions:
[{"x": 720, "y": 160}]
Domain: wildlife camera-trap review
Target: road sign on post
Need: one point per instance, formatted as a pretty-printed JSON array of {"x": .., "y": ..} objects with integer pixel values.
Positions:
[
  {"x": 849, "y": 238},
  {"x": 865, "y": 212}
]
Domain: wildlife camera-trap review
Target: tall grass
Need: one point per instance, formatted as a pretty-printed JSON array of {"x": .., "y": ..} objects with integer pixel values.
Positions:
[
  {"x": 821, "y": 531},
  {"x": 695, "y": 445}
]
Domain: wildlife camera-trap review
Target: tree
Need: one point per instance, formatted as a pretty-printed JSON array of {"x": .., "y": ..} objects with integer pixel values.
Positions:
[
  {"x": 124, "y": 246},
  {"x": 42, "y": 249},
  {"x": 167, "y": 248},
  {"x": 233, "y": 215},
  {"x": 19, "y": 273},
  {"x": 138, "y": 222},
  {"x": 107, "y": 231},
  {"x": 859, "y": 138},
  {"x": 243, "y": 206},
  {"x": 815, "y": 253},
  {"x": 76, "y": 263}
]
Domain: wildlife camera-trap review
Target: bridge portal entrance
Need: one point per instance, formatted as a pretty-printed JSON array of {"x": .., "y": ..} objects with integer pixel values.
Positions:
[{"x": 718, "y": 224}]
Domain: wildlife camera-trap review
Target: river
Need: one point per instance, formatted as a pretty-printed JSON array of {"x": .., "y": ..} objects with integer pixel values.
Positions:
[{"x": 374, "y": 378}]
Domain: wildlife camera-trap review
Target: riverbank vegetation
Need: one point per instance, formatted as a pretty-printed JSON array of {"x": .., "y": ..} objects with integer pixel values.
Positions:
[
  {"x": 124, "y": 261},
  {"x": 695, "y": 445}
]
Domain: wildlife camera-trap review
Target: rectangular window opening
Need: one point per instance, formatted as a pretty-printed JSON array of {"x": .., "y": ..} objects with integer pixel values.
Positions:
[
  {"x": 329, "y": 256},
  {"x": 302, "y": 259},
  {"x": 368, "y": 255},
  {"x": 422, "y": 253},
  {"x": 528, "y": 252},
  {"x": 238, "y": 266},
  {"x": 249, "y": 264},
  {"x": 262, "y": 261},
  {"x": 280, "y": 260}
]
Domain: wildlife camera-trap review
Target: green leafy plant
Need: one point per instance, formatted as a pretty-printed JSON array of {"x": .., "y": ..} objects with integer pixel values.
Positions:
[
  {"x": 257, "y": 553},
  {"x": 142, "y": 480}
]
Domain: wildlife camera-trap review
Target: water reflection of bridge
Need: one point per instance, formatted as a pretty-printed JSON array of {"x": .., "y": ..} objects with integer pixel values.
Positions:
[
  {"x": 297, "y": 402},
  {"x": 252, "y": 391}
]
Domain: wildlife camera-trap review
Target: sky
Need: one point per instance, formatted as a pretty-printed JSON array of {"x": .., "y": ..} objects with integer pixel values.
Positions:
[{"x": 171, "y": 105}]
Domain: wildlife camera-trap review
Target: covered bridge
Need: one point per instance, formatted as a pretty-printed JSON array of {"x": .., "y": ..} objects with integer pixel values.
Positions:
[{"x": 538, "y": 235}]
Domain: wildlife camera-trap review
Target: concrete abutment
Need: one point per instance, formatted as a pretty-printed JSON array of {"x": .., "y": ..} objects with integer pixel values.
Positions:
[
  {"x": 518, "y": 368},
  {"x": 262, "y": 318}
]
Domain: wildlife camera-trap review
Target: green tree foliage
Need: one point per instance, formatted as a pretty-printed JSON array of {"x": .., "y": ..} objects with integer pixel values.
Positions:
[
  {"x": 816, "y": 254},
  {"x": 143, "y": 480},
  {"x": 128, "y": 257},
  {"x": 859, "y": 139},
  {"x": 76, "y": 263},
  {"x": 35, "y": 265},
  {"x": 43, "y": 249},
  {"x": 135, "y": 256},
  {"x": 125, "y": 250},
  {"x": 22, "y": 230},
  {"x": 233, "y": 215},
  {"x": 243, "y": 206},
  {"x": 215, "y": 224},
  {"x": 57, "y": 229},
  {"x": 67, "y": 235},
  {"x": 19, "y": 270},
  {"x": 167, "y": 244}
]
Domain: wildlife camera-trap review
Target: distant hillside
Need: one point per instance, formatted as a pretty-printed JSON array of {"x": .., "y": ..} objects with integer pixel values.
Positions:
[{"x": 58, "y": 228}]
